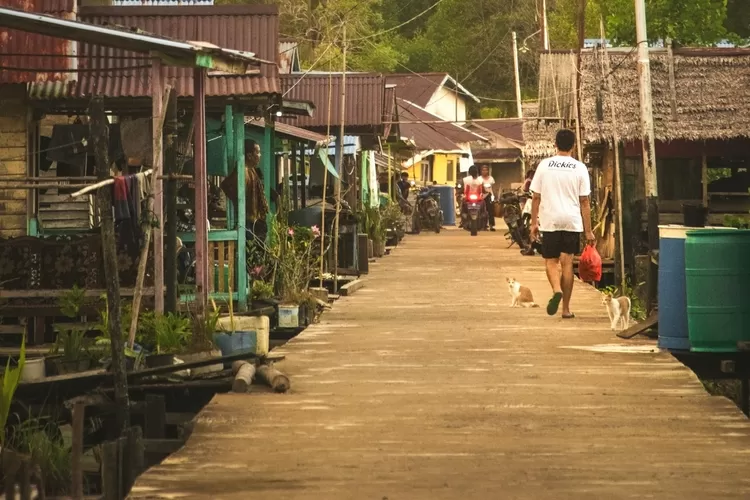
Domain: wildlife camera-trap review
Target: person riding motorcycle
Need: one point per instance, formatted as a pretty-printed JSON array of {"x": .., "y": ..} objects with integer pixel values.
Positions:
[{"x": 472, "y": 185}]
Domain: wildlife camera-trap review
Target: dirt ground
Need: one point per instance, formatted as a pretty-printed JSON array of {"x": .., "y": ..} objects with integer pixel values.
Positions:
[{"x": 426, "y": 385}]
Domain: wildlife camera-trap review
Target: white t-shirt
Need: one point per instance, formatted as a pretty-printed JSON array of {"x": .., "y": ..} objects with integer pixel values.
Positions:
[
  {"x": 561, "y": 181},
  {"x": 473, "y": 185},
  {"x": 489, "y": 180}
]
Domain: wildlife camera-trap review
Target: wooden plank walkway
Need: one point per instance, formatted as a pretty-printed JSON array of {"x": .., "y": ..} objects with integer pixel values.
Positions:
[{"x": 426, "y": 385}]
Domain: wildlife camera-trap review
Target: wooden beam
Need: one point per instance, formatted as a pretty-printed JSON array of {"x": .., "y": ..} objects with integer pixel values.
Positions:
[{"x": 201, "y": 194}]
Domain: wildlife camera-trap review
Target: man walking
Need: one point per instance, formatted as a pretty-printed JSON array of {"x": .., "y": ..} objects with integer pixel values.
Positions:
[{"x": 562, "y": 211}]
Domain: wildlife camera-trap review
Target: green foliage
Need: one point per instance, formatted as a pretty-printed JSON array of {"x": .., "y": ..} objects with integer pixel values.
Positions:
[
  {"x": 10, "y": 380},
  {"x": 736, "y": 221},
  {"x": 71, "y": 344},
  {"x": 373, "y": 224},
  {"x": 173, "y": 333},
  {"x": 262, "y": 290},
  {"x": 700, "y": 23},
  {"x": 48, "y": 450},
  {"x": 71, "y": 302}
]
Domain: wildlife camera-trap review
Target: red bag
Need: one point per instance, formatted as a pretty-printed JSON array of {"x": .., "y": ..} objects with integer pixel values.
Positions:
[{"x": 590, "y": 265}]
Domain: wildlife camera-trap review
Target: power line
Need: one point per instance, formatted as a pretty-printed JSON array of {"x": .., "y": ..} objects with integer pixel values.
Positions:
[{"x": 428, "y": 9}]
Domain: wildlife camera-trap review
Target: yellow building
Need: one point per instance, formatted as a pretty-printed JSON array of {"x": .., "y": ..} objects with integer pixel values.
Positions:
[{"x": 439, "y": 167}]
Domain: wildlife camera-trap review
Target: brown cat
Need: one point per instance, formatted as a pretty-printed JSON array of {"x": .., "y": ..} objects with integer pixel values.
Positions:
[{"x": 520, "y": 295}]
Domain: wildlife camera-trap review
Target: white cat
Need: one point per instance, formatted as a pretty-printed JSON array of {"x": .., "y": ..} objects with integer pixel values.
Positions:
[
  {"x": 618, "y": 310},
  {"x": 520, "y": 296}
]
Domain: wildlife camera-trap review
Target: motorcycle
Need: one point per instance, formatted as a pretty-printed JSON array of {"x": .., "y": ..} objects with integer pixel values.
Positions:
[
  {"x": 427, "y": 213},
  {"x": 519, "y": 232},
  {"x": 460, "y": 202},
  {"x": 475, "y": 214}
]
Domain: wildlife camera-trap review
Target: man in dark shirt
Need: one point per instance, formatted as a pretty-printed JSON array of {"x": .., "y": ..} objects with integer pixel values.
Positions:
[{"x": 404, "y": 185}]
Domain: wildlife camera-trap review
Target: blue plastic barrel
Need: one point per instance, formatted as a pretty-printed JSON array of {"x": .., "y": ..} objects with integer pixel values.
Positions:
[
  {"x": 447, "y": 204},
  {"x": 673, "y": 325}
]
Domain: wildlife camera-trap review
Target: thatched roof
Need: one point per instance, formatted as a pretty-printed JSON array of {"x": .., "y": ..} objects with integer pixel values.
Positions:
[
  {"x": 710, "y": 100},
  {"x": 538, "y": 133}
]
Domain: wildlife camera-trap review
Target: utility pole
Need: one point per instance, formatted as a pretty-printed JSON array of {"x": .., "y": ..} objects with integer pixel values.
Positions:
[
  {"x": 545, "y": 27},
  {"x": 647, "y": 126},
  {"x": 517, "y": 73},
  {"x": 339, "y": 166},
  {"x": 581, "y": 37}
]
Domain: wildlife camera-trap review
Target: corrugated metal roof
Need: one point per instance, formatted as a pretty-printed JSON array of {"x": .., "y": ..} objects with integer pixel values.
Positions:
[
  {"x": 364, "y": 99},
  {"x": 290, "y": 130},
  {"x": 20, "y": 49},
  {"x": 419, "y": 88},
  {"x": 511, "y": 129},
  {"x": 251, "y": 28},
  {"x": 390, "y": 111},
  {"x": 452, "y": 131},
  {"x": 426, "y": 136},
  {"x": 288, "y": 57}
]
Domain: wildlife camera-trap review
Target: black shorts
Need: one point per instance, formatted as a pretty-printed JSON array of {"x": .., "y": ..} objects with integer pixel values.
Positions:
[{"x": 555, "y": 243}]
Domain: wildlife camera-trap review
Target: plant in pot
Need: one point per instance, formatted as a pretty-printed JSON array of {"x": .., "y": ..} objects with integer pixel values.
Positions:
[
  {"x": 70, "y": 351},
  {"x": 298, "y": 263},
  {"x": 172, "y": 334},
  {"x": 103, "y": 343},
  {"x": 376, "y": 231}
]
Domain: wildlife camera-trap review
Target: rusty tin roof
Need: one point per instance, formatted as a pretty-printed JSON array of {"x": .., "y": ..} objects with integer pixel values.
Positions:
[
  {"x": 251, "y": 28},
  {"x": 19, "y": 49}
]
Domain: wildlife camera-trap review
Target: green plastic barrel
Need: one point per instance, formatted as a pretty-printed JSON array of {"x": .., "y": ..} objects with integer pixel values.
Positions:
[{"x": 717, "y": 272}]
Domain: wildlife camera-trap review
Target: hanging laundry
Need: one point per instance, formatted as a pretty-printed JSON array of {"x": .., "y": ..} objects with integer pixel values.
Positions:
[{"x": 70, "y": 145}]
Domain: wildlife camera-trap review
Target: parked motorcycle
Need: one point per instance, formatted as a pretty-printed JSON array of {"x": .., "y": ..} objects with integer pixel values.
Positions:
[
  {"x": 519, "y": 232},
  {"x": 427, "y": 213}
]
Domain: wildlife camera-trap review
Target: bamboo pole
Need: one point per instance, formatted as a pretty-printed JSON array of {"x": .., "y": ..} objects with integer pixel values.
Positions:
[
  {"x": 93, "y": 187},
  {"x": 618, "y": 171},
  {"x": 146, "y": 225},
  {"x": 339, "y": 167},
  {"x": 325, "y": 180}
]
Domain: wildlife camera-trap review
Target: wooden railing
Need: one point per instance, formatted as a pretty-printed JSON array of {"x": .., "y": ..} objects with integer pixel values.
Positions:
[{"x": 227, "y": 266}]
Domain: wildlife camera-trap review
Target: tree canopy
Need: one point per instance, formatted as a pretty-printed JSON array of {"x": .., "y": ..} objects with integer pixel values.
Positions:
[{"x": 471, "y": 40}]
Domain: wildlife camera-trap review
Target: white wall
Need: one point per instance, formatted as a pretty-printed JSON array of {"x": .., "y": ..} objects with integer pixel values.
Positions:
[{"x": 443, "y": 104}]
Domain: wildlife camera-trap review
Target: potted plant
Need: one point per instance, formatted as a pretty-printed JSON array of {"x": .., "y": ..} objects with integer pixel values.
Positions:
[
  {"x": 173, "y": 333},
  {"x": 70, "y": 351},
  {"x": 376, "y": 231},
  {"x": 133, "y": 357}
]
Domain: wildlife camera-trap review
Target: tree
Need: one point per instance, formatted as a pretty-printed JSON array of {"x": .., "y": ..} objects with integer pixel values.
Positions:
[
  {"x": 738, "y": 18},
  {"x": 702, "y": 23}
]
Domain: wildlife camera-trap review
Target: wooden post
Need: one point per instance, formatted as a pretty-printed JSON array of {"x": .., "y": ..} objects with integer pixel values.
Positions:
[
  {"x": 111, "y": 488},
  {"x": 99, "y": 133},
  {"x": 201, "y": 197},
  {"x": 156, "y": 415},
  {"x": 157, "y": 117},
  {"x": 704, "y": 178},
  {"x": 76, "y": 454},
  {"x": 304, "y": 173},
  {"x": 147, "y": 229},
  {"x": 170, "y": 260},
  {"x": 295, "y": 172},
  {"x": 241, "y": 265},
  {"x": 134, "y": 458}
]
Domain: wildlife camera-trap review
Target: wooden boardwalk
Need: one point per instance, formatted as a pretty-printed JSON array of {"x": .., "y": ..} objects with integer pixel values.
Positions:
[{"x": 426, "y": 385}]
